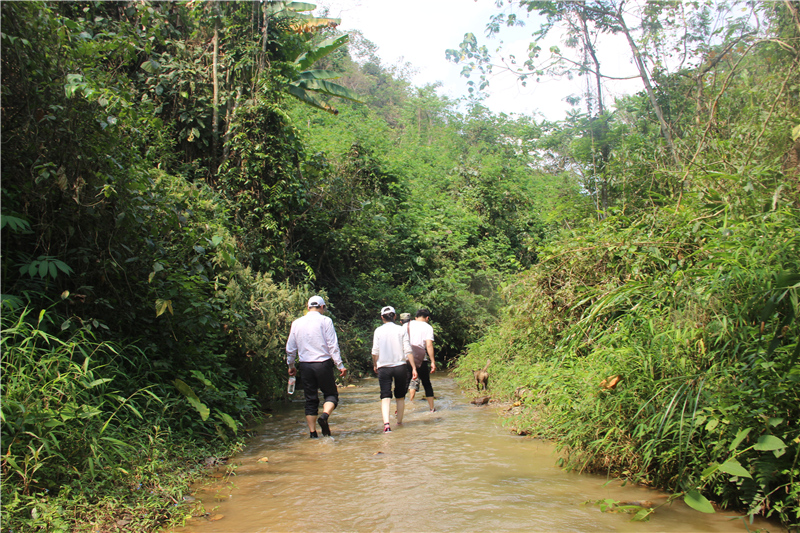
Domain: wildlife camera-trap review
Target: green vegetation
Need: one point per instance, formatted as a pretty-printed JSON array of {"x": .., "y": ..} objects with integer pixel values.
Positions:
[
  {"x": 178, "y": 178},
  {"x": 660, "y": 343}
]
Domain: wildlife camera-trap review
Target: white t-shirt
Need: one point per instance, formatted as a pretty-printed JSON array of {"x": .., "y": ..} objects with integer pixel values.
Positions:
[
  {"x": 312, "y": 337},
  {"x": 420, "y": 332},
  {"x": 390, "y": 344}
]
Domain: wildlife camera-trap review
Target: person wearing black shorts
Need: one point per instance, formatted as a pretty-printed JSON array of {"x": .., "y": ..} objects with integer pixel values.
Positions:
[
  {"x": 390, "y": 352},
  {"x": 313, "y": 341}
]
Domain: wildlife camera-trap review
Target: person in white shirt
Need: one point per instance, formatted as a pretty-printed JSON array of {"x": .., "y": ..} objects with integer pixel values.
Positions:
[
  {"x": 390, "y": 351},
  {"x": 313, "y": 338},
  {"x": 420, "y": 335}
]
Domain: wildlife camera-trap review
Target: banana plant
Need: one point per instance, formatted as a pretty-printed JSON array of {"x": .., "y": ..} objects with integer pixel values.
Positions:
[{"x": 311, "y": 84}]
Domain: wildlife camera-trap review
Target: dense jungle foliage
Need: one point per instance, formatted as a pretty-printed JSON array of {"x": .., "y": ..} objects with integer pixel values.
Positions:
[{"x": 179, "y": 177}]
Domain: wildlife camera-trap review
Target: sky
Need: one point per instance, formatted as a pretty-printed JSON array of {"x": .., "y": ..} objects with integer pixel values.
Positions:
[{"x": 419, "y": 31}]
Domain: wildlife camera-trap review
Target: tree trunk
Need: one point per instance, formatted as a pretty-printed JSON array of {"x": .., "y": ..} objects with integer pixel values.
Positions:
[
  {"x": 215, "y": 74},
  {"x": 590, "y": 48},
  {"x": 665, "y": 129}
]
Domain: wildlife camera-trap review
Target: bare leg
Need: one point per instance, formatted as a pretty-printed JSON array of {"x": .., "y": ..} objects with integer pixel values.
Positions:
[
  {"x": 401, "y": 405},
  {"x": 411, "y": 394},
  {"x": 385, "y": 406},
  {"x": 430, "y": 402},
  {"x": 311, "y": 420}
]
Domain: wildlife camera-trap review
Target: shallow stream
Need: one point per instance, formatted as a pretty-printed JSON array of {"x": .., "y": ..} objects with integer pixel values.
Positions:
[{"x": 457, "y": 469}]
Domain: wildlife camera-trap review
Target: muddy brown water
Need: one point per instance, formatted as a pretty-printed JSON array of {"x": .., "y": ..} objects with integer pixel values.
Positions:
[{"x": 454, "y": 470}]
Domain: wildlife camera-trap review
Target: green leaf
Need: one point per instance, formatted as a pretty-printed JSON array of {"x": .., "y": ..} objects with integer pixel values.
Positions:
[
  {"x": 201, "y": 408},
  {"x": 185, "y": 389},
  {"x": 17, "y": 225},
  {"x": 151, "y": 67},
  {"x": 310, "y": 99},
  {"x": 768, "y": 443},
  {"x": 62, "y": 266},
  {"x": 698, "y": 502},
  {"x": 740, "y": 436},
  {"x": 306, "y": 59},
  {"x": 97, "y": 382},
  {"x": 231, "y": 423},
  {"x": 162, "y": 306},
  {"x": 320, "y": 75},
  {"x": 199, "y": 375},
  {"x": 713, "y": 467},
  {"x": 327, "y": 87},
  {"x": 732, "y": 467}
]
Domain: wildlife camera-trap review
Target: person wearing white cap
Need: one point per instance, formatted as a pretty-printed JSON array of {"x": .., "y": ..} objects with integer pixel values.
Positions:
[
  {"x": 313, "y": 341},
  {"x": 390, "y": 352}
]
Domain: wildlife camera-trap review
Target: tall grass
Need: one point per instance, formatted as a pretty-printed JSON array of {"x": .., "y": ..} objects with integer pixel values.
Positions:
[{"x": 82, "y": 434}]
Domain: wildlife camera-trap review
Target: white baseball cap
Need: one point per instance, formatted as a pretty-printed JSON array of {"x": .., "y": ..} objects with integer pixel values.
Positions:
[
  {"x": 387, "y": 310},
  {"x": 316, "y": 301}
]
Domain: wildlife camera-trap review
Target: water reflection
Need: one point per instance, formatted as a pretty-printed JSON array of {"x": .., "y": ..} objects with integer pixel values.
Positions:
[{"x": 454, "y": 470}]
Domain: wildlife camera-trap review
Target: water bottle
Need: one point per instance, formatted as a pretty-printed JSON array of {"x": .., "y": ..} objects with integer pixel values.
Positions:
[{"x": 290, "y": 388}]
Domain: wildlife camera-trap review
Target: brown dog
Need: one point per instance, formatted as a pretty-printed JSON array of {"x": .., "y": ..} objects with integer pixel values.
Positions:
[{"x": 482, "y": 377}]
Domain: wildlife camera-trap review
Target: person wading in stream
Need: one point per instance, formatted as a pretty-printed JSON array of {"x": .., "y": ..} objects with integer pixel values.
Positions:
[
  {"x": 420, "y": 335},
  {"x": 390, "y": 351},
  {"x": 413, "y": 384},
  {"x": 314, "y": 339}
]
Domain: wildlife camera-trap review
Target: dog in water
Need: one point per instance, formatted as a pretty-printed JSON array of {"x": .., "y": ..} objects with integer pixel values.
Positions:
[{"x": 482, "y": 377}]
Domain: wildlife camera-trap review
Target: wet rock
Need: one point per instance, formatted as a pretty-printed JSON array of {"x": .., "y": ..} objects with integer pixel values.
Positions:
[
  {"x": 216, "y": 517},
  {"x": 481, "y": 400},
  {"x": 264, "y": 460},
  {"x": 211, "y": 462}
]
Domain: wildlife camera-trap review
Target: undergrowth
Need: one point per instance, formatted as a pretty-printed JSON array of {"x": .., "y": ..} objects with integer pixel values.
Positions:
[{"x": 87, "y": 446}]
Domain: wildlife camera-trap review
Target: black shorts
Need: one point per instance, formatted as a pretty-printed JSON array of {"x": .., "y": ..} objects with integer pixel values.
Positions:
[
  {"x": 423, "y": 375},
  {"x": 318, "y": 377},
  {"x": 397, "y": 373}
]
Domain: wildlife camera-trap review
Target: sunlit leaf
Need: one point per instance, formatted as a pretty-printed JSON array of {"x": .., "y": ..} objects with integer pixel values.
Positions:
[
  {"x": 740, "y": 436},
  {"x": 184, "y": 388},
  {"x": 768, "y": 443},
  {"x": 201, "y": 408},
  {"x": 734, "y": 468},
  {"x": 698, "y": 502},
  {"x": 229, "y": 421}
]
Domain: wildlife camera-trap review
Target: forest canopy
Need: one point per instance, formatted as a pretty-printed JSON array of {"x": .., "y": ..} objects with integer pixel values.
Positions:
[{"x": 179, "y": 177}]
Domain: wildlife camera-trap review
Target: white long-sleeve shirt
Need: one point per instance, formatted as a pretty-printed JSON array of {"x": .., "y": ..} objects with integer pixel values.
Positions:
[
  {"x": 313, "y": 337},
  {"x": 390, "y": 344}
]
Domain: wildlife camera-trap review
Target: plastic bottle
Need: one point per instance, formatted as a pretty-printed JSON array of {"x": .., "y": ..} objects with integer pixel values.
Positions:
[{"x": 290, "y": 388}]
